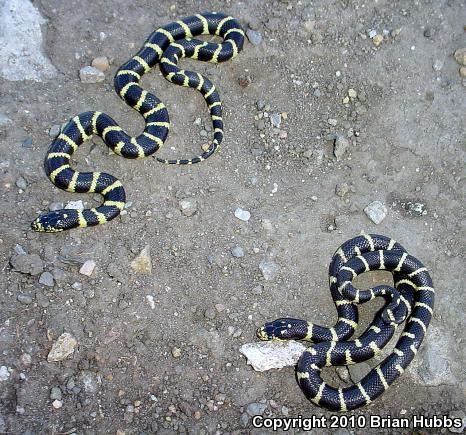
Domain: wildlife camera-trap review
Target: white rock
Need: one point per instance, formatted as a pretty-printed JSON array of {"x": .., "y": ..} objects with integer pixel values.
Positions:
[
  {"x": 242, "y": 215},
  {"x": 268, "y": 268},
  {"x": 21, "y": 43},
  {"x": 4, "y": 373},
  {"x": 376, "y": 212},
  {"x": 272, "y": 354},
  {"x": 75, "y": 205},
  {"x": 89, "y": 74},
  {"x": 87, "y": 268},
  {"x": 150, "y": 300},
  {"x": 62, "y": 348},
  {"x": 57, "y": 404}
]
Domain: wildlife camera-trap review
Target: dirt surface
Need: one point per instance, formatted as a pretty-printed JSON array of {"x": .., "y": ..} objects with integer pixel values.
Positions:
[{"x": 158, "y": 353}]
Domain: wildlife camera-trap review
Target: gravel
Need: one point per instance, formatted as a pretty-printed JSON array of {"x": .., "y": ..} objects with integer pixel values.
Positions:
[{"x": 237, "y": 251}]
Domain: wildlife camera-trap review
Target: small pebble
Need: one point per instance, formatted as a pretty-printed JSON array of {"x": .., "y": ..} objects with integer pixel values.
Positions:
[
  {"x": 54, "y": 131},
  {"x": 463, "y": 71},
  {"x": 101, "y": 63},
  {"x": 24, "y": 299},
  {"x": 460, "y": 56},
  {"x": 89, "y": 74},
  {"x": 332, "y": 122},
  {"x": 27, "y": 143},
  {"x": 341, "y": 189},
  {"x": 242, "y": 215},
  {"x": 438, "y": 65},
  {"x": 53, "y": 206},
  {"x": 176, "y": 352},
  {"x": 377, "y": 40},
  {"x": 340, "y": 146},
  {"x": 256, "y": 409},
  {"x": 62, "y": 348},
  {"x": 269, "y": 269},
  {"x": 276, "y": 119},
  {"x": 237, "y": 252},
  {"x": 188, "y": 207},
  {"x": 55, "y": 393},
  {"x": 352, "y": 93},
  {"x": 30, "y": 264},
  {"x": 4, "y": 373},
  {"x": 75, "y": 205},
  {"x": 209, "y": 314},
  {"x": 57, "y": 404},
  {"x": 372, "y": 33},
  {"x": 376, "y": 212},
  {"x": 87, "y": 268},
  {"x": 255, "y": 38},
  {"x": 428, "y": 32},
  {"x": 143, "y": 262},
  {"x": 46, "y": 278},
  {"x": 21, "y": 183}
]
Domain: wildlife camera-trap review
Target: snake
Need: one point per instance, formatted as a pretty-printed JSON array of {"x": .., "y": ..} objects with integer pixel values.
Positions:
[
  {"x": 410, "y": 301},
  {"x": 166, "y": 46}
]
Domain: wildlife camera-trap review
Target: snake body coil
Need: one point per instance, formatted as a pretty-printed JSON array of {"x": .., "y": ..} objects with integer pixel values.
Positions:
[
  {"x": 411, "y": 300},
  {"x": 166, "y": 46}
]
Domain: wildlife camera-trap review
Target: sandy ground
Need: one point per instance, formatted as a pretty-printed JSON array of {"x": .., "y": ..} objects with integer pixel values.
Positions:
[{"x": 159, "y": 353}]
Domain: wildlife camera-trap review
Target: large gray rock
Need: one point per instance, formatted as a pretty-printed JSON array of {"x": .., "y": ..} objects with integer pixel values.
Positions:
[{"x": 21, "y": 55}]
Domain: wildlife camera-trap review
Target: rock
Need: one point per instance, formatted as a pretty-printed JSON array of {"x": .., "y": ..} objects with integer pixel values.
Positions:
[
  {"x": 21, "y": 43},
  {"x": 24, "y": 299},
  {"x": 209, "y": 314},
  {"x": 87, "y": 268},
  {"x": 275, "y": 120},
  {"x": 341, "y": 189},
  {"x": 55, "y": 393},
  {"x": 331, "y": 121},
  {"x": 260, "y": 104},
  {"x": 21, "y": 183},
  {"x": 4, "y": 120},
  {"x": 358, "y": 371},
  {"x": 352, "y": 93},
  {"x": 269, "y": 269},
  {"x": 176, "y": 352},
  {"x": 376, "y": 212},
  {"x": 46, "y": 278},
  {"x": 255, "y": 38},
  {"x": 461, "y": 416},
  {"x": 377, "y": 40},
  {"x": 30, "y": 264},
  {"x": 62, "y": 348},
  {"x": 460, "y": 56},
  {"x": 316, "y": 37},
  {"x": 151, "y": 301},
  {"x": 57, "y": 404},
  {"x": 143, "y": 263},
  {"x": 188, "y": 207},
  {"x": 54, "y": 131},
  {"x": 101, "y": 63},
  {"x": 89, "y": 74},
  {"x": 26, "y": 359},
  {"x": 75, "y": 205},
  {"x": 27, "y": 143},
  {"x": 317, "y": 93},
  {"x": 242, "y": 215},
  {"x": 53, "y": 206},
  {"x": 343, "y": 373},
  {"x": 462, "y": 71},
  {"x": 437, "y": 65},
  {"x": 428, "y": 32},
  {"x": 340, "y": 146},
  {"x": 260, "y": 124},
  {"x": 89, "y": 382},
  {"x": 237, "y": 252},
  {"x": 4, "y": 373},
  {"x": 272, "y": 354},
  {"x": 255, "y": 409}
]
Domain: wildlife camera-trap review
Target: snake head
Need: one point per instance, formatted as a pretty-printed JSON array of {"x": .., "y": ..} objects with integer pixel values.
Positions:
[
  {"x": 283, "y": 329},
  {"x": 53, "y": 222}
]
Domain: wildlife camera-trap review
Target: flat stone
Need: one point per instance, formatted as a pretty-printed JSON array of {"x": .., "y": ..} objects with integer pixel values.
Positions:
[
  {"x": 27, "y": 142},
  {"x": 87, "y": 268},
  {"x": 242, "y": 215},
  {"x": 4, "y": 120},
  {"x": 255, "y": 38},
  {"x": 30, "y": 264},
  {"x": 21, "y": 183},
  {"x": 55, "y": 393},
  {"x": 54, "y": 131},
  {"x": 272, "y": 354},
  {"x": 89, "y": 74},
  {"x": 57, "y": 404},
  {"x": 276, "y": 119},
  {"x": 358, "y": 371},
  {"x": 376, "y": 212},
  {"x": 75, "y": 205},
  {"x": 24, "y": 299},
  {"x": 255, "y": 409},
  {"x": 46, "y": 278},
  {"x": 4, "y": 373},
  {"x": 62, "y": 348},
  {"x": 54, "y": 206},
  {"x": 269, "y": 269},
  {"x": 237, "y": 252},
  {"x": 143, "y": 263},
  {"x": 22, "y": 42}
]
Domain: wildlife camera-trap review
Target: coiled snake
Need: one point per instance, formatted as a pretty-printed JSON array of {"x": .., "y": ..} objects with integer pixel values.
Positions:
[
  {"x": 411, "y": 300},
  {"x": 166, "y": 46}
]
